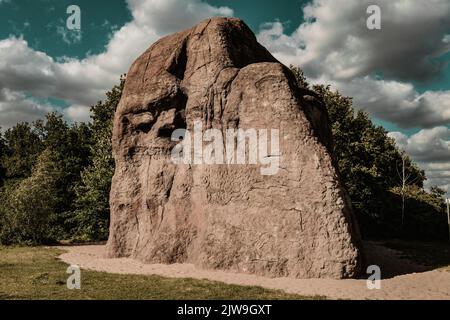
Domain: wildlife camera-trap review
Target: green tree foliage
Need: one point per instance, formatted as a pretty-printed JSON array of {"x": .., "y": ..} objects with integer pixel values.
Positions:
[
  {"x": 369, "y": 163},
  {"x": 2, "y": 154},
  {"x": 425, "y": 214},
  {"x": 28, "y": 207},
  {"x": 38, "y": 197},
  {"x": 92, "y": 202},
  {"x": 22, "y": 147},
  {"x": 58, "y": 177}
]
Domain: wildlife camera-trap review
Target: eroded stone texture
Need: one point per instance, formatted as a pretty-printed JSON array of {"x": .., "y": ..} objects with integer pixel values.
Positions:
[{"x": 297, "y": 223}]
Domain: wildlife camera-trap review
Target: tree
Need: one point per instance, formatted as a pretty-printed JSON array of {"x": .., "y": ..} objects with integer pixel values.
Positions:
[
  {"x": 58, "y": 177},
  {"x": 28, "y": 209},
  {"x": 437, "y": 192},
  {"x": 22, "y": 148},
  {"x": 367, "y": 160},
  {"x": 426, "y": 214},
  {"x": 406, "y": 180},
  {"x": 92, "y": 202},
  {"x": 2, "y": 155},
  {"x": 70, "y": 147},
  {"x": 43, "y": 164},
  {"x": 299, "y": 77}
]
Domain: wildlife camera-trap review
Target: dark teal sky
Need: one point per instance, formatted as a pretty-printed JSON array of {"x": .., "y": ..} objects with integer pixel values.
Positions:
[
  {"x": 256, "y": 12},
  {"x": 37, "y": 21}
]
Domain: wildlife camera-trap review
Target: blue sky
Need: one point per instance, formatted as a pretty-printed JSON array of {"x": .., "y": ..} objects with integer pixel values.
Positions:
[
  {"x": 38, "y": 21},
  {"x": 398, "y": 74}
]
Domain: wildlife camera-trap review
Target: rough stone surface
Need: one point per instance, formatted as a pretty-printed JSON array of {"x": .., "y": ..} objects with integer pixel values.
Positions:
[{"x": 297, "y": 223}]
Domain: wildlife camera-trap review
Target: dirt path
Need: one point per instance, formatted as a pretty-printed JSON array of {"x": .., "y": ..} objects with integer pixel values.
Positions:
[{"x": 418, "y": 284}]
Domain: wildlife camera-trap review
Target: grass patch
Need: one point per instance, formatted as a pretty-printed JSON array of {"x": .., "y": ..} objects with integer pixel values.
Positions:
[
  {"x": 430, "y": 254},
  {"x": 37, "y": 273}
]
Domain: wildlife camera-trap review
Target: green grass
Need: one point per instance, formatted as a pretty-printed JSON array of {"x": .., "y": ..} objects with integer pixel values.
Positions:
[
  {"x": 37, "y": 273},
  {"x": 430, "y": 254}
]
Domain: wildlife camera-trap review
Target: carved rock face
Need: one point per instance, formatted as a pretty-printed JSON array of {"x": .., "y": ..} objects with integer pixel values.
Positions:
[{"x": 296, "y": 223}]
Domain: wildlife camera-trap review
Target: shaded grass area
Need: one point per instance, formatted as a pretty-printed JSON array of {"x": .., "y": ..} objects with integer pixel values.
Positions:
[
  {"x": 429, "y": 254},
  {"x": 37, "y": 273}
]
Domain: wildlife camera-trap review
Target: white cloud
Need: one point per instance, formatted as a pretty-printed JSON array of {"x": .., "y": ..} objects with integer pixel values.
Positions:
[
  {"x": 446, "y": 38},
  {"x": 25, "y": 70},
  {"x": 430, "y": 148},
  {"x": 428, "y": 145},
  {"x": 69, "y": 36},
  {"x": 16, "y": 107},
  {"x": 377, "y": 67},
  {"x": 78, "y": 113},
  {"x": 167, "y": 16},
  {"x": 84, "y": 82},
  {"x": 336, "y": 41},
  {"x": 334, "y": 46},
  {"x": 398, "y": 102}
]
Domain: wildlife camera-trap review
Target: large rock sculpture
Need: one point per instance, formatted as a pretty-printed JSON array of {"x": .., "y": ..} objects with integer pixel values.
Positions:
[{"x": 295, "y": 223}]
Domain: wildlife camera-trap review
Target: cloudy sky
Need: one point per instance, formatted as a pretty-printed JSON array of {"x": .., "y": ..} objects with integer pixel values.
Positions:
[{"x": 399, "y": 74}]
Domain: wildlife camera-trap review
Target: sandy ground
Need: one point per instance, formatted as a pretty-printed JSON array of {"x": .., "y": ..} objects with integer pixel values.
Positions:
[{"x": 403, "y": 278}]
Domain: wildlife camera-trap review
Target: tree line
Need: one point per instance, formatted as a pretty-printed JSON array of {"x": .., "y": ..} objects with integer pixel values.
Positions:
[
  {"x": 55, "y": 177},
  {"x": 370, "y": 166}
]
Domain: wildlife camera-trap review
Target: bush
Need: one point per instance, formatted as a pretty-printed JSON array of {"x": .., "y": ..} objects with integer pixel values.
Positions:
[{"x": 28, "y": 205}]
